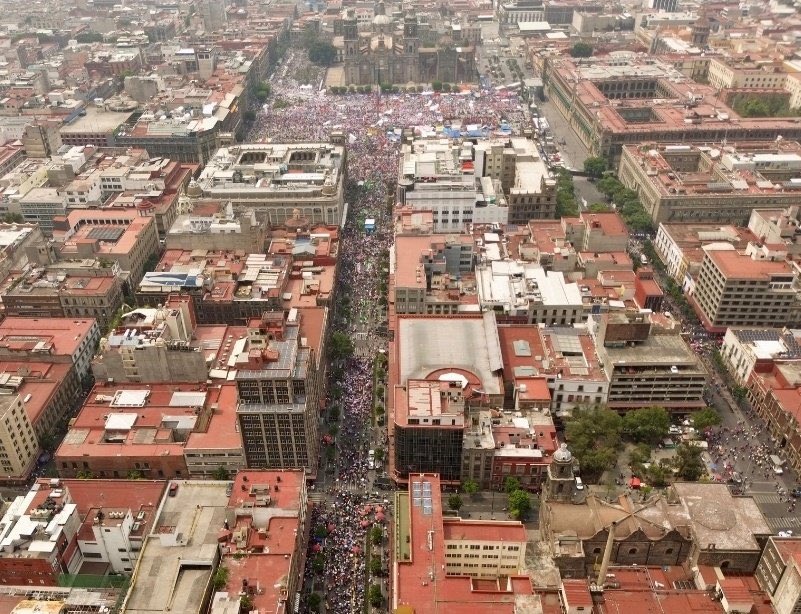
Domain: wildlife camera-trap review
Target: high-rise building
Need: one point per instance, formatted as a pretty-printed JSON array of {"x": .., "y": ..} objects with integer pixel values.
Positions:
[{"x": 279, "y": 392}]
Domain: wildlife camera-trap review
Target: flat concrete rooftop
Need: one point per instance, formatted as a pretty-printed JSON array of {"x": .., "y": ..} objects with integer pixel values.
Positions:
[{"x": 180, "y": 555}]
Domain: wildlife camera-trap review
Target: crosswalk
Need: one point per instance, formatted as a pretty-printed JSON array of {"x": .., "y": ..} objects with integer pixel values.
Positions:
[
  {"x": 783, "y": 523},
  {"x": 767, "y": 498}
]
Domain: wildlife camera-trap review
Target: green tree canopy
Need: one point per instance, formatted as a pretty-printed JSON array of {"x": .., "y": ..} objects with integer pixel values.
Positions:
[
  {"x": 594, "y": 438},
  {"x": 341, "y": 346},
  {"x": 705, "y": 419},
  {"x": 322, "y": 53},
  {"x": 313, "y": 602},
  {"x": 688, "y": 462},
  {"x": 648, "y": 425},
  {"x": 581, "y": 50},
  {"x": 511, "y": 484},
  {"x": 519, "y": 504},
  {"x": 374, "y": 596},
  {"x": 455, "y": 502},
  {"x": 595, "y": 166},
  {"x": 470, "y": 487}
]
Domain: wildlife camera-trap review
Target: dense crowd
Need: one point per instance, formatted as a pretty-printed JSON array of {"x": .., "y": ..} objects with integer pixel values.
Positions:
[{"x": 372, "y": 124}]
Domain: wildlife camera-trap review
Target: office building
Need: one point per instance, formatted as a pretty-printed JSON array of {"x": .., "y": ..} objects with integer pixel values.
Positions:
[
  {"x": 758, "y": 287},
  {"x": 448, "y": 368},
  {"x": 285, "y": 184},
  {"x": 468, "y": 564},
  {"x": 680, "y": 247},
  {"x": 226, "y": 287},
  {"x": 647, "y": 364},
  {"x": 689, "y": 183},
  {"x": 19, "y": 446},
  {"x": 278, "y": 378},
  {"x": 628, "y": 99},
  {"x": 69, "y": 289}
]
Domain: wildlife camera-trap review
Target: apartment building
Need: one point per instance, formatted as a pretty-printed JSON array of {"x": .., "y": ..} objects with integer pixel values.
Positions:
[
  {"x": 111, "y": 235},
  {"x": 779, "y": 573},
  {"x": 279, "y": 392},
  {"x": 71, "y": 289},
  {"x": 757, "y": 288},
  {"x": 146, "y": 431},
  {"x": 745, "y": 72},
  {"x": 647, "y": 364},
  {"x": 285, "y": 184},
  {"x": 19, "y": 446},
  {"x": 746, "y": 349},
  {"x": 432, "y": 273}
]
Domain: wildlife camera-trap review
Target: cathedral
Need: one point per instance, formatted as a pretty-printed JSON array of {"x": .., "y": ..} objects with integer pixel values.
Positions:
[{"x": 394, "y": 56}]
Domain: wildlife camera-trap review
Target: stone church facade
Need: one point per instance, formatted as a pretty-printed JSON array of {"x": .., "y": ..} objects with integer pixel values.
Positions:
[{"x": 394, "y": 56}]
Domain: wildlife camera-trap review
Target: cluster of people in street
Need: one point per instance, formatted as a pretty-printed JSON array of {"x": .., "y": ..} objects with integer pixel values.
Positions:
[
  {"x": 740, "y": 448},
  {"x": 372, "y": 125}
]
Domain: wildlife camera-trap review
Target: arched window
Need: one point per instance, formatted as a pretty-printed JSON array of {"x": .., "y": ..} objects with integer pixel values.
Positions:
[{"x": 632, "y": 550}]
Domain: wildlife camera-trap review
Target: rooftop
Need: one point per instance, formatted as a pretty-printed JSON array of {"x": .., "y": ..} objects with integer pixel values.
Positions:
[
  {"x": 58, "y": 336},
  {"x": 273, "y": 167},
  {"x": 421, "y": 582},
  {"x": 180, "y": 555},
  {"x": 468, "y": 343},
  {"x": 736, "y": 265},
  {"x": 96, "y": 121}
]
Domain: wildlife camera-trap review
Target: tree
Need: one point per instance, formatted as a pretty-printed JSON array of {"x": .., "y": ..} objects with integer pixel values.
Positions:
[
  {"x": 657, "y": 475},
  {"x": 609, "y": 186},
  {"x": 705, "y": 419},
  {"x": 322, "y": 53},
  {"x": 510, "y": 485},
  {"x": 376, "y": 535},
  {"x": 688, "y": 462},
  {"x": 594, "y": 437},
  {"x": 599, "y": 208},
  {"x": 13, "y": 218},
  {"x": 221, "y": 473},
  {"x": 318, "y": 564},
  {"x": 436, "y": 86},
  {"x": 455, "y": 502},
  {"x": 379, "y": 454},
  {"x": 638, "y": 457},
  {"x": 375, "y": 596},
  {"x": 648, "y": 425},
  {"x": 595, "y": 166},
  {"x": 134, "y": 474},
  {"x": 313, "y": 602},
  {"x": 341, "y": 346},
  {"x": 220, "y": 578},
  {"x": 245, "y": 604},
  {"x": 519, "y": 504},
  {"x": 375, "y": 566},
  {"x": 470, "y": 487},
  {"x": 581, "y": 50}
]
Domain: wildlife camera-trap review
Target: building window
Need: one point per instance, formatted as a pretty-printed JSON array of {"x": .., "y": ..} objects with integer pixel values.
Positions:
[{"x": 632, "y": 550}]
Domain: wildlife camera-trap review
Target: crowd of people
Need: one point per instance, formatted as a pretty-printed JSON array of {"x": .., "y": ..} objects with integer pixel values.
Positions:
[{"x": 304, "y": 112}]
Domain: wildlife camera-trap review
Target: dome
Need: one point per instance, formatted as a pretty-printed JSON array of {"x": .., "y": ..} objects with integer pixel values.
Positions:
[
  {"x": 563, "y": 455},
  {"x": 381, "y": 20}
]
